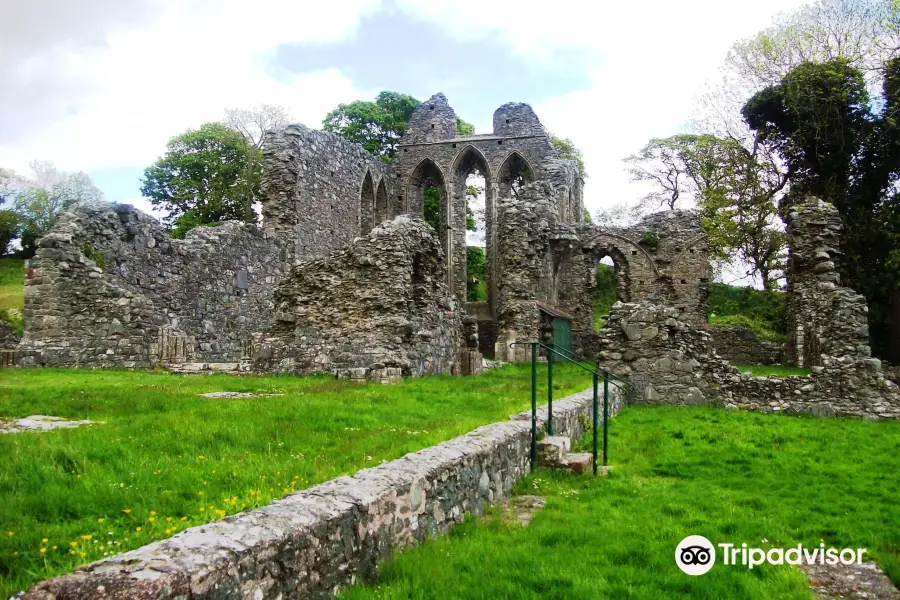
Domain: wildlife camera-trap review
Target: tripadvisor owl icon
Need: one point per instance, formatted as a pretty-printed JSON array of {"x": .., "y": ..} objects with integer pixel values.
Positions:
[{"x": 695, "y": 555}]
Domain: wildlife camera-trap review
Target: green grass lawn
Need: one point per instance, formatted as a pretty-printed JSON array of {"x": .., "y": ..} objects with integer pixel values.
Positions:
[
  {"x": 12, "y": 283},
  {"x": 167, "y": 459},
  {"x": 769, "y": 370},
  {"x": 12, "y": 291},
  {"x": 767, "y": 480}
]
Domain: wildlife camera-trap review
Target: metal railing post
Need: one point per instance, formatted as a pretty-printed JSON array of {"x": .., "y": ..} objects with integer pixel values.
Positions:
[
  {"x": 534, "y": 348},
  {"x": 605, "y": 417},
  {"x": 596, "y": 416},
  {"x": 550, "y": 390}
]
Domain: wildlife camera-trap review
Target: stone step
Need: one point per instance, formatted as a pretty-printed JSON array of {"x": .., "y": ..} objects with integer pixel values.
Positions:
[
  {"x": 577, "y": 462},
  {"x": 552, "y": 449}
]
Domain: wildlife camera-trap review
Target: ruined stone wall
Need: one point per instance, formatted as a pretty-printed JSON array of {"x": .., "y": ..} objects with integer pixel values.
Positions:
[
  {"x": 321, "y": 191},
  {"x": 313, "y": 542},
  {"x": 523, "y": 249},
  {"x": 379, "y": 304},
  {"x": 516, "y": 153},
  {"x": 664, "y": 258},
  {"x": 109, "y": 287},
  {"x": 669, "y": 361},
  {"x": 666, "y": 360},
  {"x": 742, "y": 346}
]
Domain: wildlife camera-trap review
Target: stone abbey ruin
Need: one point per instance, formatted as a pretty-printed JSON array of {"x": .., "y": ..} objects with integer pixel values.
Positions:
[{"x": 345, "y": 277}]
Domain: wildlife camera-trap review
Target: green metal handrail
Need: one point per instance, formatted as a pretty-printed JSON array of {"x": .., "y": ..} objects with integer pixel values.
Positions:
[{"x": 596, "y": 373}]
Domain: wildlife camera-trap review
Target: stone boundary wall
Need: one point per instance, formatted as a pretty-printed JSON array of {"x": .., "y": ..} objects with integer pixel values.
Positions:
[
  {"x": 9, "y": 339},
  {"x": 742, "y": 346},
  {"x": 309, "y": 544}
]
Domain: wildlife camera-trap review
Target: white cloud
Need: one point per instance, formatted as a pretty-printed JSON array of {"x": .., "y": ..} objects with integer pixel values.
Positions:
[
  {"x": 121, "y": 83},
  {"x": 648, "y": 61}
]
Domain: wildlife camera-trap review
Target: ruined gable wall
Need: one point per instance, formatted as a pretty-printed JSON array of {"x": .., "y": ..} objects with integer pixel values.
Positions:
[
  {"x": 109, "y": 287},
  {"x": 673, "y": 273},
  {"x": 379, "y": 304},
  {"x": 313, "y": 196}
]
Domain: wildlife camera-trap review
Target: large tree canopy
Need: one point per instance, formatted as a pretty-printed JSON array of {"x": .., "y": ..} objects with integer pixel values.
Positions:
[
  {"x": 838, "y": 147},
  {"x": 207, "y": 175},
  {"x": 735, "y": 189}
]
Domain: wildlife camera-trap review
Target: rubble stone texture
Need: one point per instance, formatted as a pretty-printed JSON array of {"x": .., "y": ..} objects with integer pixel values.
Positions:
[
  {"x": 9, "y": 338},
  {"x": 381, "y": 303},
  {"x": 108, "y": 287},
  {"x": 320, "y": 191},
  {"x": 741, "y": 346},
  {"x": 663, "y": 259},
  {"x": 310, "y": 543}
]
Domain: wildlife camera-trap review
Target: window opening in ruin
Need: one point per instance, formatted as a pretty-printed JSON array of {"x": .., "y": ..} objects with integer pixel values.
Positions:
[
  {"x": 471, "y": 185},
  {"x": 425, "y": 190},
  {"x": 366, "y": 205},
  {"x": 514, "y": 174},
  {"x": 382, "y": 212},
  {"x": 605, "y": 290}
]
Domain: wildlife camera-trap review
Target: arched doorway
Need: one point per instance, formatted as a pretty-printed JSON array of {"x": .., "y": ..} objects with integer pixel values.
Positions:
[{"x": 366, "y": 205}]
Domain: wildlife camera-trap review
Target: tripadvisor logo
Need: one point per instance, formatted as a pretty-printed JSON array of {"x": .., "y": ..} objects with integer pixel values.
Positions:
[{"x": 696, "y": 555}]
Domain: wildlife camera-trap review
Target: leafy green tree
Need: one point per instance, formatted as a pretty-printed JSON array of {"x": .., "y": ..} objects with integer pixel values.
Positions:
[
  {"x": 39, "y": 199},
  {"x": 476, "y": 290},
  {"x": 568, "y": 150},
  {"x": 839, "y": 148},
  {"x": 735, "y": 188},
  {"x": 9, "y": 229},
  {"x": 207, "y": 175},
  {"x": 376, "y": 126}
]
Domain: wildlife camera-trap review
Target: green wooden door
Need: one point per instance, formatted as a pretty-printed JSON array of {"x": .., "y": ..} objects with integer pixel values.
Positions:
[{"x": 562, "y": 333}]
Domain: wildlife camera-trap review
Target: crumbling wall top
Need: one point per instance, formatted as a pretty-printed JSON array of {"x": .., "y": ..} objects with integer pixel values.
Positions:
[
  {"x": 517, "y": 118},
  {"x": 432, "y": 121}
]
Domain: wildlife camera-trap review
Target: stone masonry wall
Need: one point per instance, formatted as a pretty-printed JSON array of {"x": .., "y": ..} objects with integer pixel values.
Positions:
[
  {"x": 742, "y": 346},
  {"x": 320, "y": 191},
  {"x": 313, "y": 542},
  {"x": 524, "y": 258},
  {"x": 381, "y": 303},
  {"x": 669, "y": 361},
  {"x": 109, "y": 287}
]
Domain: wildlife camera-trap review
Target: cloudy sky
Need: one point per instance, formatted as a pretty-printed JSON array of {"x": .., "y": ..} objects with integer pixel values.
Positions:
[{"x": 101, "y": 85}]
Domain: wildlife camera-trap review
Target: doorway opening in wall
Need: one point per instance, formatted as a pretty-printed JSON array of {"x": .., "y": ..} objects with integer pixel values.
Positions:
[{"x": 605, "y": 290}]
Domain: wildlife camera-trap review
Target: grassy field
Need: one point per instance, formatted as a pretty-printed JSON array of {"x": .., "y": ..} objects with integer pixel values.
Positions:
[
  {"x": 769, "y": 370},
  {"x": 767, "y": 480},
  {"x": 12, "y": 293},
  {"x": 166, "y": 459}
]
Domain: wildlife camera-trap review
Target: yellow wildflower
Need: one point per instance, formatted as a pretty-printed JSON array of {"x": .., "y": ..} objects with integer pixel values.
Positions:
[
  {"x": 137, "y": 528},
  {"x": 127, "y": 511},
  {"x": 44, "y": 541},
  {"x": 152, "y": 513},
  {"x": 202, "y": 509},
  {"x": 221, "y": 513},
  {"x": 184, "y": 518},
  {"x": 73, "y": 544},
  {"x": 43, "y": 550},
  {"x": 54, "y": 547},
  {"x": 100, "y": 520},
  {"x": 10, "y": 533},
  {"x": 86, "y": 537}
]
